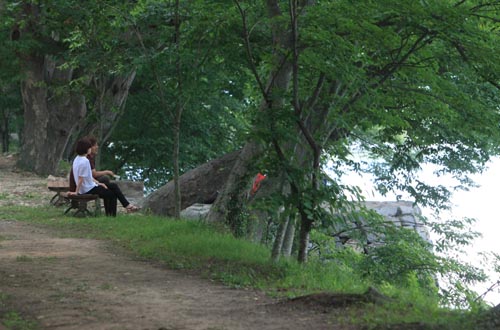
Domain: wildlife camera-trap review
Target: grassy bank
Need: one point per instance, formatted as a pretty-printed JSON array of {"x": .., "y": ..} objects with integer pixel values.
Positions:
[{"x": 197, "y": 247}]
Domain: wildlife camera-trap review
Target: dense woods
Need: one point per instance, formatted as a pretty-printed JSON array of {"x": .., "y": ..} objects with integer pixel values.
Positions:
[{"x": 297, "y": 87}]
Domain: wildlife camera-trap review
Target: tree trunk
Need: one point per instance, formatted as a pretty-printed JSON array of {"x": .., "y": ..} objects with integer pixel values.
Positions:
[
  {"x": 257, "y": 226},
  {"x": 178, "y": 114},
  {"x": 286, "y": 250},
  {"x": 111, "y": 96},
  {"x": 49, "y": 117},
  {"x": 279, "y": 239},
  {"x": 305, "y": 230},
  {"x": 111, "y": 102},
  {"x": 4, "y": 130},
  {"x": 234, "y": 192}
]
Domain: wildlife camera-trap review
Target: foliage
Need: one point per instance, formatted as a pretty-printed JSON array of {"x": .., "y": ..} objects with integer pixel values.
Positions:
[
  {"x": 407, "y": 83},
  {"x": 385, "y": 254},
  {"x": 211, "y": 100}
]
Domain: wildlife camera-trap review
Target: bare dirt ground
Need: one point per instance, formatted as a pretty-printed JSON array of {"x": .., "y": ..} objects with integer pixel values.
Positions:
[{"x": 67, "y": 283}]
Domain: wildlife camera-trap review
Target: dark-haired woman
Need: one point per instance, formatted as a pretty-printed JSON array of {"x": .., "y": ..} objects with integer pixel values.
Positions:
[{"x": 85, "y": 183}]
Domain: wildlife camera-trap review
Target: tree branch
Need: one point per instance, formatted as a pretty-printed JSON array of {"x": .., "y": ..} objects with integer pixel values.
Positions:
[{"x": 251, "y": 62}]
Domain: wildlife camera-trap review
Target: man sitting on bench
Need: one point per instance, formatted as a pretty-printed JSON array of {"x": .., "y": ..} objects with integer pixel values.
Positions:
[{"x": 85, "y": 183}]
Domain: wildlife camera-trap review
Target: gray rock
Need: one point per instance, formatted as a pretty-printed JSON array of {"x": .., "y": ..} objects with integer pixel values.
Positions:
[
  {"x": 133, "y": 191},
  {"x": 196, "y": 211}
]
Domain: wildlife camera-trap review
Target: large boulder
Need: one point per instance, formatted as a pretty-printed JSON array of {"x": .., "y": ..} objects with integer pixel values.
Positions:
[
  {"x": 402, "y": 214},
  {"x": 132, "y": 190},
  {"x": 200, "y": 185}
]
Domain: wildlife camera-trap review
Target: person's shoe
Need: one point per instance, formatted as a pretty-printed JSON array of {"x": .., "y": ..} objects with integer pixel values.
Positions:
[{"x": 132, "y": 208}]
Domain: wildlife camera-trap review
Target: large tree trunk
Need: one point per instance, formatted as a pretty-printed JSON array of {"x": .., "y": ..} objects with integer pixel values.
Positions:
[
  {"x": 49, "y": 117},
  {"x": 233, "y": 193},
  {"x": 200, "y": 185},
  {"x": 111, "y": 96}
]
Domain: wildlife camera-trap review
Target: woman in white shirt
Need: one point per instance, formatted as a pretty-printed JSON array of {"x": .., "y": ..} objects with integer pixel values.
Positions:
[{"x": 85, "y": 183}]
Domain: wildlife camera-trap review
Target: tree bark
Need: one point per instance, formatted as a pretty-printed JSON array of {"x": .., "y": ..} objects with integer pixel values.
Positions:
[
  {"x": 49, "y": 117},
  {"x": 178, "y": 113},
  {"x": 233, "y": 193},
  {"x": 111, "y": 96},
  {"x": 113, "y": 91},
  {"x": 4, "y": 130},
  {"x": 305, "y": 230},
  {"x": 279, "y": 239},
  {"x": 286, "y": 250}
]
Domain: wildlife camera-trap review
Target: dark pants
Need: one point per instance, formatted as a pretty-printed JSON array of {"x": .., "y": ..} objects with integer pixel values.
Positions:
[
  {"x": 114, "y": 188},
  {"x": 109, "y": 198}
]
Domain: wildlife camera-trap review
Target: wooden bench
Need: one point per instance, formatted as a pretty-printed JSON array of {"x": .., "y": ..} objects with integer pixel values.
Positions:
[
  {"x": 60, "y": 188},
  {"x": 79, "y": 203}
]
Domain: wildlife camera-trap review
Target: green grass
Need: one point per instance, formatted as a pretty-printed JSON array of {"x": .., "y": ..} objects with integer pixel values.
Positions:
[
  {"x": 11, "y": 320},
  {"x": 14, "y": 321},
  {"x": 24, "y": 258},
  {"x": 198, "y": 247}
]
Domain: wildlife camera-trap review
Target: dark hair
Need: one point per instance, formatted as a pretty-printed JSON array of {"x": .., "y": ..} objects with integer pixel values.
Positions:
[
  {"x": 92, "y": 139},
  {"x": 82, "y": 146}
]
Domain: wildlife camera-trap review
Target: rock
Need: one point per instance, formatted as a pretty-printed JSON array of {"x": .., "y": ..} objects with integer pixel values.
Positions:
[
  {"x": 132, "y": 190},
  {"x": 196, "y": 211},
  {"x": 199, "y": 185},
  {"x": 401, "y": 213}
]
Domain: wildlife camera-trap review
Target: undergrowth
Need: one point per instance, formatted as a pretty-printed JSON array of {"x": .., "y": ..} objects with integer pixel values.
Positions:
[{"x": 198, "y": 247}]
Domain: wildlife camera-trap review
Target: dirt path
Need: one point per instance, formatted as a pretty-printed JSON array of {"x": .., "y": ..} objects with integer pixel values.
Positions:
[{"x": 67, "y": 283}]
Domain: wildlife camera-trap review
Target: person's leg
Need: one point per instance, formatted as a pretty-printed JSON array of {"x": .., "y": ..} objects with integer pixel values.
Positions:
[
  {"x": 109, "y": 199},
  {"x": 116, "y": 189},
  {"x": 104, "y": 179}
]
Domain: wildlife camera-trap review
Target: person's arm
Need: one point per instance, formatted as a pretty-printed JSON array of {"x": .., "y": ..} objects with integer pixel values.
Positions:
[
  {"x": 96, "y": 173},
  {"x": 99, "y": 183},
  {"x": 79, "y": 183}
]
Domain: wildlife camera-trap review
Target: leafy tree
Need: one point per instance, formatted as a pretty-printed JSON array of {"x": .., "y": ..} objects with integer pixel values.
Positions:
[
  {"x": 181, "y": 69},
  {"x": 409, "y": 83},
  {"x": 49, "y": 39}
]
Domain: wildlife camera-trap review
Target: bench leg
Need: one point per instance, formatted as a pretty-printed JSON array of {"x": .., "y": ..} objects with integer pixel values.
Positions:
[
  {"x": 97, "y": 207},
  {"x": 54, "y": 199},
  {"x": 59, "y": 199},
  {"x": 72, "y": 205},
  {"x": 82, "y": 210}
]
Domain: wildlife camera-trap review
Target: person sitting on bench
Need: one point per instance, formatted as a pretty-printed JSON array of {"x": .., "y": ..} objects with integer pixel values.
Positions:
[
  {"x": 104, "y": 177},
  {"x": 85, "y": 183}
]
